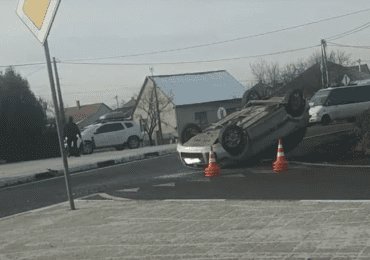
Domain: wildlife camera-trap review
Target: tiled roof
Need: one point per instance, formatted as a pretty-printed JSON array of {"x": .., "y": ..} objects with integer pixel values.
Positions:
[{"x": 83, "y": 112}]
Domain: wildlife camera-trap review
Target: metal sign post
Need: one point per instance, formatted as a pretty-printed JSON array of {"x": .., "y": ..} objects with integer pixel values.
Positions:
[
  {"x": 59, "y": 93},
  {"x": 38, "y": 16},
  {"x": 59, "y": 126}
]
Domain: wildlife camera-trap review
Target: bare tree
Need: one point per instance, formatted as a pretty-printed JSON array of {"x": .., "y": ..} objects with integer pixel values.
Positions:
[
  {"x": 314, "y": 59},
  {"x": 259, "y": 71},
  {"x": 292, "y": 70},
  {"x": 147, "y": 103},
  {"x": 47, "y": 107}
]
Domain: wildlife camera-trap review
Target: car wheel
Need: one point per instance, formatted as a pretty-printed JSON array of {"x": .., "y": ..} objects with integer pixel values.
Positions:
[
  {"x": 133, "y": 142},
  {"x": 189, "y": 131},
  {"x": 232, "y": 139},
  {"x": 250, "y": 95},
  {"x": 88, "y": 147},
  {"x": 295, "y": 102},
  {"x": 325, "y": 120}
]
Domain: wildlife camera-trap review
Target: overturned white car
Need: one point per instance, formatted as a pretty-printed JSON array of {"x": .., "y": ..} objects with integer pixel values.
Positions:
[{"x": 247, "y": 135}]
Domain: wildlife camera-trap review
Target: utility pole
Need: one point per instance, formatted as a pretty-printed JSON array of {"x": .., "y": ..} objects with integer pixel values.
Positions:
[
  {"x": 326, "y": 64},
  {"x": 116, "y": 97},
  {"x": 323, "y": 45},
  {"x": 322, "y": 66},
  {"x": 159, "y": 116},
  {"x": 359, "y": 65},
  {"x": 59, "y": 93}
]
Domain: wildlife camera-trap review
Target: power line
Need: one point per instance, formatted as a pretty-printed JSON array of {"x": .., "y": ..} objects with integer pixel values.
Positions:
[
  {"x": 344, "y": 34},
  {"x": 20, "y": 65},
  {"x": 34, "y": 71},
  {"x": 189, "y": 62},
  {"x": 350, "y": 46},
  {"x": 220, "y": 42}
]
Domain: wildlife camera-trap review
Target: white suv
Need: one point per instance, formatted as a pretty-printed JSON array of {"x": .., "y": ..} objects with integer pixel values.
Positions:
[{"x": 115, "y": 134}]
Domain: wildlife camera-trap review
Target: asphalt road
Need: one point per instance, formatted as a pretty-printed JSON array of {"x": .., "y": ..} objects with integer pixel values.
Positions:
[
  {"x": 146, "y": 173},
  {"x": 165, "y": 178}
]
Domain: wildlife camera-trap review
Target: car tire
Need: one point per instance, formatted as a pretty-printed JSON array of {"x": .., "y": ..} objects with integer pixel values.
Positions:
[
  {"x": 325, "y": 120},
  {"x": 295, "y": 102},
  {"x": 189, "y": 131},
  {"x": 133, "y": 142},
  {"x": 232, "y": 139},
  {"x": 88, "y": 147},
  {"x": 248, "y": 96}
]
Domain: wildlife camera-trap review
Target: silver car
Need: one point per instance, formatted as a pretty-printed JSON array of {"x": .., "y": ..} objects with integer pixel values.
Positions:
[{"x": 247, "y": 135}]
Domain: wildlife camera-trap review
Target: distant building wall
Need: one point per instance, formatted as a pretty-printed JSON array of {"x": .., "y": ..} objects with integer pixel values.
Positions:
[
  {"x": 194, "y": 113},
  {"x": 167, "y": 114}
]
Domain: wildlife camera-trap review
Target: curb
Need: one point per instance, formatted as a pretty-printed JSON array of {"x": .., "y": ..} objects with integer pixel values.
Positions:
[
  {"x": 329, "y": 165},
  {"x": 57, "y": 173}
]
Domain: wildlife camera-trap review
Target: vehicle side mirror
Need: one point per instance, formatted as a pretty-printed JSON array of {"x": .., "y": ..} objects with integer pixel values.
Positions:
[{"x": 95, "y": 132}]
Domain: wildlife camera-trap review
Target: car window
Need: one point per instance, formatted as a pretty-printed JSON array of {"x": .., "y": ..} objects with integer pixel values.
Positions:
[
  {"x": 364, "y": 94},
  {"x": 320, "y": 98},
  {"x": 116, "y": 127},
  {"x": 129, "y": 125},
  {"x": 109, "y": 128}
]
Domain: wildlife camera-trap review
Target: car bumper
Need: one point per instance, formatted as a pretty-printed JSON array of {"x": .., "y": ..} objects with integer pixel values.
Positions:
[
  {"x": 197, "y": 157},
  {"x": 314, "y": 119}
]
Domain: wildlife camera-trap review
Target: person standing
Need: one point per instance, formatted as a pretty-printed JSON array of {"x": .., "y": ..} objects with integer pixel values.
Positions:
[{"x": 71, "y": 131}]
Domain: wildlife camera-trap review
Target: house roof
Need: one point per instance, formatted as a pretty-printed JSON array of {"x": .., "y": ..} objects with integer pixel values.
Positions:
[
  {"x": 131, "y": 103},
  {"x": 364, "y": 68},
  {"x": 84, "y": 111},
  {"x": 199, "y": 87},
  {"x": 310, "y": 81}
]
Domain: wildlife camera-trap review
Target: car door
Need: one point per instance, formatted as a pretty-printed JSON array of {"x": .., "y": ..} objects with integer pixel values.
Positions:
[
  {"x": 104, "y": 135},
  {"x": 118, "y": 136},
  {"x": 334, "y": 106}
]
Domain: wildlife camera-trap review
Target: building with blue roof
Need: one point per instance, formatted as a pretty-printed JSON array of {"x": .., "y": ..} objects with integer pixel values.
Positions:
[{"x": 186, "y": 98}]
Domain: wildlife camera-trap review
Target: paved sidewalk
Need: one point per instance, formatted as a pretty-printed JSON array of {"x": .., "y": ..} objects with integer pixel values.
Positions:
[
  {"x": 22, "y": 172},
  {"x": 119, "y": 228}
]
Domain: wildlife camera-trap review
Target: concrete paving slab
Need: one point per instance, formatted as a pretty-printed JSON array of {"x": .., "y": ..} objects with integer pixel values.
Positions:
[{"x": 113, "y": 229}]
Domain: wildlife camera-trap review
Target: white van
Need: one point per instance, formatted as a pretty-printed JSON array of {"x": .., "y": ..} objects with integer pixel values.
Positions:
[{"x": 339, "y": 103}]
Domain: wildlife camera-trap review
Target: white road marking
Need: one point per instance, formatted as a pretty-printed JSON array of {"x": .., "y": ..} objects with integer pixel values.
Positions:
[
  {"x": 129, "y": 190},
  {"x": 171, "y": 184}
]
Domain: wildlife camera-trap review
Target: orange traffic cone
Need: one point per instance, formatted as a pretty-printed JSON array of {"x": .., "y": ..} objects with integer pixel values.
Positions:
[
  {"x": 213, "y": 170},
  {"x": 280, "y": 164}
]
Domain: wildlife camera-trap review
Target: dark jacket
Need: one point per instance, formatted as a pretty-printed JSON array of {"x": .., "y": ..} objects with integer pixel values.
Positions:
[{"x": 71, "y": 130}]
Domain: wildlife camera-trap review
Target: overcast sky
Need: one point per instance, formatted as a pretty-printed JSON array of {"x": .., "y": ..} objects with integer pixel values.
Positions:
[{"x": 87, "y": 29}]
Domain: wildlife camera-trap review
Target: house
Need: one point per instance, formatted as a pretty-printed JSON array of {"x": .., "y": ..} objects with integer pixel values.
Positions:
[
  {"x": 310, "y": 81},
  {"x": 187, "y": 98},
  {"x": 85, "y": 115},
  {"x": 362, "y": 68},
  {"x": 128, "y": 108}
]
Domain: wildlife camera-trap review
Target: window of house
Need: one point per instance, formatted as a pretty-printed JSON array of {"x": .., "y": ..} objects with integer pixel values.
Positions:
[{"x": 201, "y": 118}]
